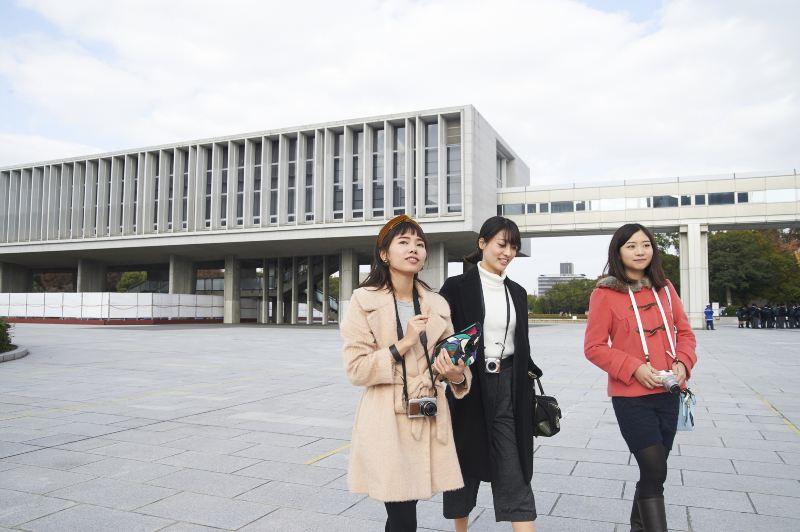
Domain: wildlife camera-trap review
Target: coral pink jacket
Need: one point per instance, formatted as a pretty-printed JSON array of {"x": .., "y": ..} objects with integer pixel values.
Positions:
[{"x": 612, "y": 340}]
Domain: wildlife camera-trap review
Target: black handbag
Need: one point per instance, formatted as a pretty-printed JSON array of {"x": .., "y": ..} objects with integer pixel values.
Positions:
[{"x": 546, "y": 413}]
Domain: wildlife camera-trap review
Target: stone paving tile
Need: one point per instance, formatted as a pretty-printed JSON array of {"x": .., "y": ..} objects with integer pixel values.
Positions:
[
  {"x": 209, "y": 445},
  {"x": 704, "y": 520},
  {"x": 137, "y": 451},
  {"x": 21, "y": 435},
  {"x": 544, "y": 523},
  {"x": 17, "y": 508},
  {"x": 123, "y": 469},
  {"x": 11, "y": 449},
  {"x": 146, "y": 437},
  {"x": 55, "y": 440},
  {"x": 750, "y": 455},
  {"x": 39, "y": 479},
  {"x": 117, "y": 494},
  {"x": 303, "y": 497},
  {"x": 276, "y": 438},
  {"x": 599, "y": 487},
  {"x": 549, "y": 465},
  {"x": 744, "y": 483},
  {"x": 296, "y": 473},
  {"x": 97, "y": 418},
  {"x": 85, "y": 518},
  {"x": 696, "y": 463},
  {"x": 765, "y": 445},
  {"x": 86, "y": 444},
  {"x": 700, "y": 497},
  {"x": 295, "y": 455},
  {"x": 292, "y": 520},
  {"x": 217, "y": 463},
  {"x": 207, "y": 510},
  {"x": 87, "y": 429},
  {"x": 610, "y": 510},
  {"x": 776, "y": 505},
  {"x": 209, "y": 483},
  {"x": 189, "y": 527},
  {"x": 790, "y": 458},
  {"x": 618, "y": 472},
  {"x": 583, "y": 455},
  {"x": 767, "y": 470},
  {"x": 55, "y": 458}
]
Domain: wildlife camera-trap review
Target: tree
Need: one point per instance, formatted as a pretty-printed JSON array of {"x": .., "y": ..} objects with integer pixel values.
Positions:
[
  {"x": 667, "y": 243},
  {"x": 572, "y": 296},
  {"x": 130, "y": 279}
]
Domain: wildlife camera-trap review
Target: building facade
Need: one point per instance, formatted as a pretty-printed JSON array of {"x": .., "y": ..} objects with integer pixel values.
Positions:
[{"x": 297, "y": 203}]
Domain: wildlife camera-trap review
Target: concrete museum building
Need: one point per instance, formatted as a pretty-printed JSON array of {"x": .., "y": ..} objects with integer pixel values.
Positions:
[{"x": 301, "y": 203}]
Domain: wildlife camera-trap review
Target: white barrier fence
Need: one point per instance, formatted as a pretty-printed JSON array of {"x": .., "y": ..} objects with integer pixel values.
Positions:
[{"x": 111, "y": 305}]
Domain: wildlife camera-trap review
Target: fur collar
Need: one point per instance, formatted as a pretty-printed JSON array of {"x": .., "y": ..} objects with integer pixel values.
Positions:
[{"x": 621, "y": 286}]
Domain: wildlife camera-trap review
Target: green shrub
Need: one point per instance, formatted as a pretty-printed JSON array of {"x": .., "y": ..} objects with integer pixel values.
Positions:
[{"x": 5, "y": 336}]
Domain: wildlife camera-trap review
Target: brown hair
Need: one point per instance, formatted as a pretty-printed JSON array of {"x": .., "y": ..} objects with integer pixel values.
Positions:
[
  {"x": 379, "y": 276},
  {"x": 614, "y": 266}
]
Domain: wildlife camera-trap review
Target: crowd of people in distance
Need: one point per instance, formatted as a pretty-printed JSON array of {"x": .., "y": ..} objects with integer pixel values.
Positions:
[{"x": 769, "y": 317}]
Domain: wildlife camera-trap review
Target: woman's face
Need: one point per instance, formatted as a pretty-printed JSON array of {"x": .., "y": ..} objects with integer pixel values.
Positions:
[
  {"x": 636, "y": 255},
  {"x": 498, "y": 253},
  {"x": 406, "y": 253}
]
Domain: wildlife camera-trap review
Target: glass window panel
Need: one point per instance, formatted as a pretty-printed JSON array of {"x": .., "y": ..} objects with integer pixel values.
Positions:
[
  {"x": 544, "y": 207},
  {"x": 782, "y": 195},
  {"x": 660, "y": 202},
  {"x": 612, "y": 204},
  {"x": 580, "y": 205},
  {"x": 686, "y": 200},
  {"x": 741, "y": 197},
  {"x": 514, "y": 208},
  {"x": 562, "y": 206},
  {"x": 700, "y": 199},
  {"x": 721, "y": 198},
  {"x": 531, "y": 208}
]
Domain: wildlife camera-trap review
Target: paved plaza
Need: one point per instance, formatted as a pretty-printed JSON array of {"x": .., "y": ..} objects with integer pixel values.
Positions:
[{"x": 191, "y": 428}]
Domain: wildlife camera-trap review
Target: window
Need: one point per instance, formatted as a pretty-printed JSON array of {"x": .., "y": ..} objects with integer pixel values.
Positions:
[
  {"x": 239, "y": 184},
  {"x": 156, "y": 159},
  {"x": 431, "y": 181},
  {"x": 107, "y": 199},
  {"x": 309, "y": 179},
  {"x": 223, "y": 202},
  {"x": 638, "y": 203},
  {"x": 171, "y": 190},
  {"x": 338, "y": 185},
  {"x": 291, "y": 182},
  {"x": 121, "y": 194},
  {"x": 358, "y": 185},
  {"x": 580, "y": 205},
  {"x": 209, "y": 176},
  {"x": 531, "y": 208},
  {"x": 665, "y": 201},
  {"x": 453, "y": 166},
  {"x": 256, "y": 207},
  {"x": 741, "y": 197},
  {"x": 135, "y": 173},
  {"x": 686, "y": 201},
  {"x": 562, "y": 206},
  {"x": 184, "y": 155},
  {"x": 273, "y": 181},
  {"x": 721, "y": 198},
  {"x": 378, "y": 138},
  {"x": 699, "y": 199},
  {"x": 399, "y": 170},
  {"x": 514, "y": 208},
  {"x": 544, "y": 208}
]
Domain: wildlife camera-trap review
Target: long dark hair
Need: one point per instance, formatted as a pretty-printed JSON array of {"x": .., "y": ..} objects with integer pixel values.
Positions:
[
  {"x": 614, "y": 266},
  {"x": 489, "y": 229},
  {"x": 379, "y": 275}
]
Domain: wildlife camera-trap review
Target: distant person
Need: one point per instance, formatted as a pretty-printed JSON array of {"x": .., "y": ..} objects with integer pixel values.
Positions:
[
  {"x": 402, "y": 443},
  {"x": 709, "y": 315},
  {"x": 631, "y": 308},
  {"x": 492, "y": 425},
  {"x": 755, "y": 316},
  {"x": 741, "y": 315}
]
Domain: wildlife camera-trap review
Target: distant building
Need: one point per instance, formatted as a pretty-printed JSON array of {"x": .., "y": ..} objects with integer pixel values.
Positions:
[{"x": 546, "y": 282}]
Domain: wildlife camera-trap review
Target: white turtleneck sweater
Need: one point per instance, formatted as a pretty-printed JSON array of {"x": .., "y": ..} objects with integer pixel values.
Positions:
[{"x": 494, "y": 323}]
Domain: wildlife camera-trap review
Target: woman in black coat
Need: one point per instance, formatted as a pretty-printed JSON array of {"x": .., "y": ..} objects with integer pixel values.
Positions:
[{"x": 492, "y": 424}]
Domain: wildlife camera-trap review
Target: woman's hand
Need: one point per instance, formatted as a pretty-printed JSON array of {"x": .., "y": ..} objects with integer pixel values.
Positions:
[
  {"x": 647, "y": 377},
  {"x": 680, "y": 372},
  {"x": 445, "y": 367},
  {"x": 414, "y": 328}
]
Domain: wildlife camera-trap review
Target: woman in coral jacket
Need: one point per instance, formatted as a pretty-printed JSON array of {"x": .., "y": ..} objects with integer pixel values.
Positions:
[{"x": 646, "y": 411}]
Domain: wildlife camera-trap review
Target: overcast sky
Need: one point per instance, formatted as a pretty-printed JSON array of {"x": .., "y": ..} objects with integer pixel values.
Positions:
[{"x": 583, "y": 91}]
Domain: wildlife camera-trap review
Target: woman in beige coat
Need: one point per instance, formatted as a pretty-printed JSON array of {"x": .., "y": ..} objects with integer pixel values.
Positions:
[{"x": 391, "y": 320}]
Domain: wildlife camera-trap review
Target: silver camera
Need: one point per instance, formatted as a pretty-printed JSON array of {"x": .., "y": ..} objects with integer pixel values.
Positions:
[
  {"x": 422, "y": 407},
  {"x": 492, "y": 365},
  {"x": 669, "y": 382}
]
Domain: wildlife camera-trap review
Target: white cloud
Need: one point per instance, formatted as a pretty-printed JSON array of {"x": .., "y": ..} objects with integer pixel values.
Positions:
[{"x": 18, "y": 149}]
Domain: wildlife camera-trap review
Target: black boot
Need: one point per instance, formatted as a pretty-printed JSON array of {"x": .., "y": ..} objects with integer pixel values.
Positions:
[
  {"x": 636, "y": 519},
  {"x": 653, "y": 514}
]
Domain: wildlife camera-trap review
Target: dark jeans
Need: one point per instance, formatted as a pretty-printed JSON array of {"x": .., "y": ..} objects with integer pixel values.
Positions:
[{"x": 401, "y": 516}]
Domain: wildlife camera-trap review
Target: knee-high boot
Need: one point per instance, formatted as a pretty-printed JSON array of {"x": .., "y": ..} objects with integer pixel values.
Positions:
[
  {"x": 636, "y": 519},
  {"x": 653, "y": 514}
]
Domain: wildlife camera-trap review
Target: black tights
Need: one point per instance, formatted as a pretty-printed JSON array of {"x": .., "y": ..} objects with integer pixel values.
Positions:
[
  {"x": 401, "y": 516},
  {"x": 652, "y": 471}
]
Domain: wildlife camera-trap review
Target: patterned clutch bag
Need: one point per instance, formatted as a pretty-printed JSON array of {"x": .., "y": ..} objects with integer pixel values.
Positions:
[{"x": 462, "y": 345}]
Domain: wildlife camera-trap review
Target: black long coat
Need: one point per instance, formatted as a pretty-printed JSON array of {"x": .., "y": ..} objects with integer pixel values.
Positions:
[{"x": 465, "y": 296}]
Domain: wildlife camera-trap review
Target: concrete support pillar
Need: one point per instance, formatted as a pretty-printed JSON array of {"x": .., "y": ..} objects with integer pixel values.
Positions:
[
  {"x": 325, "y": 291},
  {"x": 435, "y": 271},
  {"x": 232, "y": 291},
  {"x": 182, "y": 275},
  {"x": 295, "y": 291},
  {"x": 310, "y": 293},
  {"x": 279, "y": 291},
  {"x": 694, "y": 272},
  {"x": 91, "y": 276},
  {"x": 14, "y": 278},
  {"x": 348, "y": 279},
  {"x": 264, "y": 316}
]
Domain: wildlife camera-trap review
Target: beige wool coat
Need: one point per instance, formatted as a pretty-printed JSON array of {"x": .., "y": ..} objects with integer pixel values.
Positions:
[{"x": 393, "y": 457}]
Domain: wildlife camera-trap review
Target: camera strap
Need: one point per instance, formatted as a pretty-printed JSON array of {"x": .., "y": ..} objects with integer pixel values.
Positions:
[
  {"x": 423, "y": 338},
  {"x": 641, "y": 328}
]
